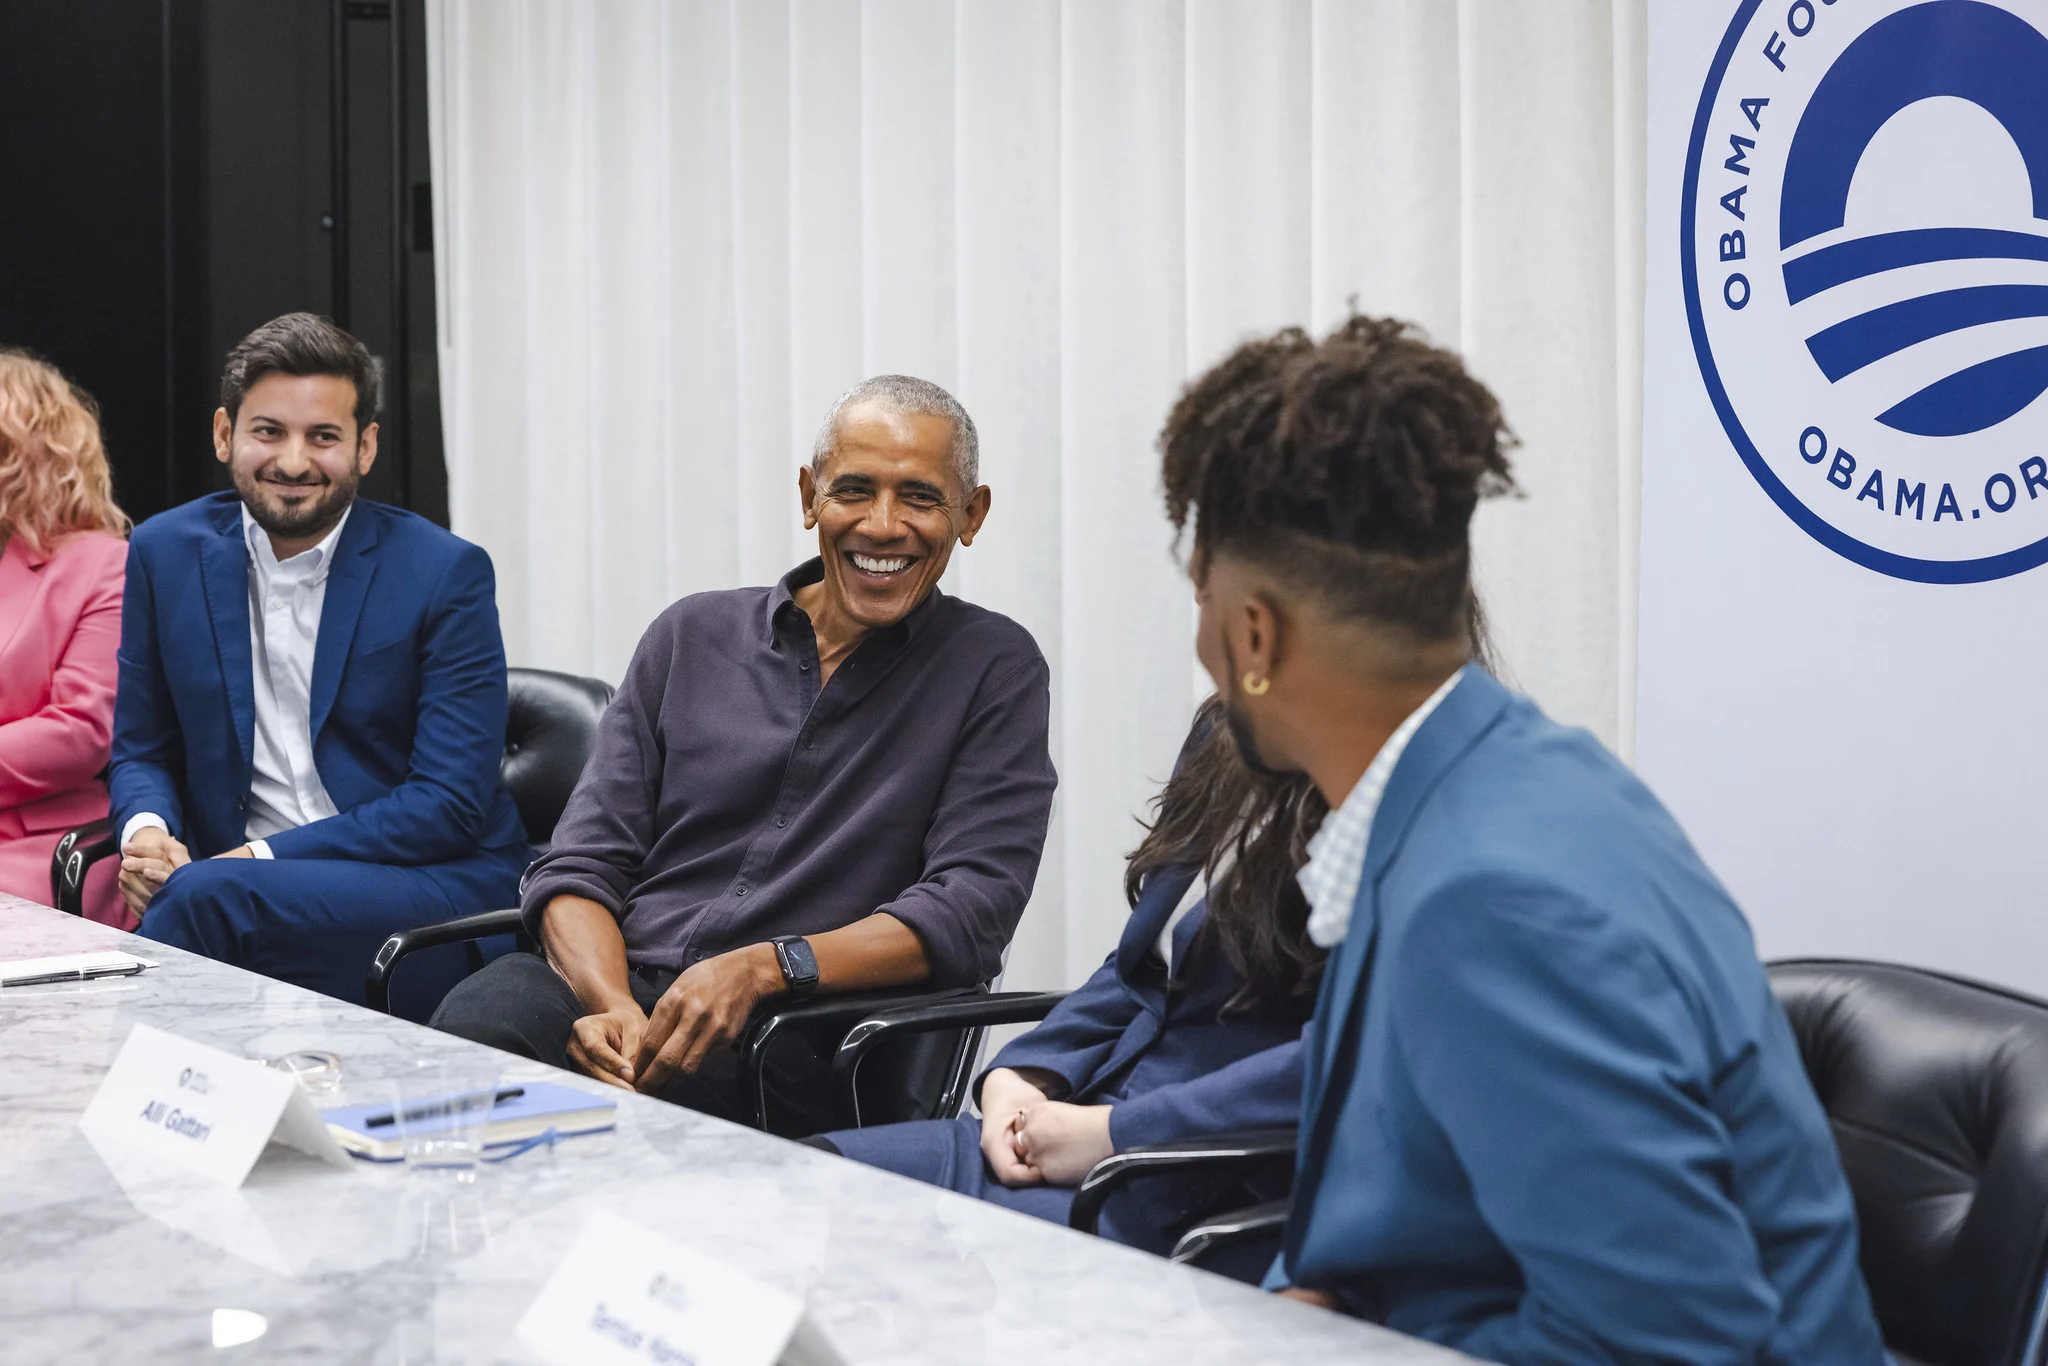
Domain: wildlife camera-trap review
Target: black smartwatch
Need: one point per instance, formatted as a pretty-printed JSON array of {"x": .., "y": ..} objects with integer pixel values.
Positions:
[{"x": 799, "y": 964}]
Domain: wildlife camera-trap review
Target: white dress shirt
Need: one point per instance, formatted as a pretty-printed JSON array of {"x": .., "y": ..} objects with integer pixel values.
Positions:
[
  {"x": 285, "y": 599},
  {"x": 1198, "y": 890},
  {"x": 1336, "y": 855}
]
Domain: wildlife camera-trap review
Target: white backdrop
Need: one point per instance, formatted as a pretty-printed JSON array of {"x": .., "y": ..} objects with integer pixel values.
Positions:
[
  {"x": 668, "y": 234},
  {"x": 1856, "y": 753}
]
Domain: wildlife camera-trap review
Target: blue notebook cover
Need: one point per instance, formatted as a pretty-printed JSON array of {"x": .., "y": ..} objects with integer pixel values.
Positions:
[{"x": 544, "y": 1105}]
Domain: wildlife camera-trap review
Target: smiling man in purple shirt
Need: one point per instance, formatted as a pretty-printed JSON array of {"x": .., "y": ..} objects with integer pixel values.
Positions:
[{"x": 841, "y": 782}]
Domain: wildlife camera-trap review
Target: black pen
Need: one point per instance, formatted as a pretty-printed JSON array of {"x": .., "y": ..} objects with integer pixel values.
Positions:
[
  {"x": 380, "y": 1121},
  {"x": 75, "y": 975}
]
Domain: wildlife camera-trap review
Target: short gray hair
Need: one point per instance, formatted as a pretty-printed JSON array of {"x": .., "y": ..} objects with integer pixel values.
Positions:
[{"x": 908, "y": 394}]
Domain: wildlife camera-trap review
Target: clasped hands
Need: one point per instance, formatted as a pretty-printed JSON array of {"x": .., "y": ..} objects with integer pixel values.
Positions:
[
  {"x": 1028, "y": 1139},
  {"x": 703, "y": 1009},
  {"x": 148, "y": 860}
]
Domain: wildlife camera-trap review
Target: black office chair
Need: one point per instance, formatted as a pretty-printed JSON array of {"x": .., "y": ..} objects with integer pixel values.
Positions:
[
  {"x": 551, "y": 725},
  {"x": 1937, "y": 1088},
  {"x": 1240, "y": 1166},
  {"x": 77, "y": 851},
  {"x": 901, "y": 1055},
  {"x": 884, "y": 1071},
  {"x": 550, "y": 728},
  {"x": 551, "y": 722}
]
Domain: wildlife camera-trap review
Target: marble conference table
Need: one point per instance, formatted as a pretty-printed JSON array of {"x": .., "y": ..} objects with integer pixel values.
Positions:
[{"x": 377, "y": 1265}]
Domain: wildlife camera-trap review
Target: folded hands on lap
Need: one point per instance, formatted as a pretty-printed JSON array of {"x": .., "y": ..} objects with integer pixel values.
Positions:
[
  {"x": 147, "y": 862},
  {"x": 1028, "y": 1139}
]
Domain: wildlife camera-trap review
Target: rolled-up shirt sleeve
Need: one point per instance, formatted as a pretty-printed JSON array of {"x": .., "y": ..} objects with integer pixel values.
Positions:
[
  {"x": 987, "y": 832},
  {"x": 607, "y": 828}
]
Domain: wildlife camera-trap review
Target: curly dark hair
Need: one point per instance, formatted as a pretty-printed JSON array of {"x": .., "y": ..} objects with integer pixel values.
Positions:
[{"x": 1349, "y": 467}]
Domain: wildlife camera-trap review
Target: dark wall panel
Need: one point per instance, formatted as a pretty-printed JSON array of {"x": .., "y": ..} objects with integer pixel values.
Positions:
[
  {"x": 167, "y": 173},
  {"x": 267, "y": 163},
  {"x": 83, "y": 243}
]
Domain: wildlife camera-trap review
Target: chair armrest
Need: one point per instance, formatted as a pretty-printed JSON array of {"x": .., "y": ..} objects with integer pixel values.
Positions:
[
  {"x": 377, "y": 986},
  {"x": 843, "y": 1010},
  {"x": 1250, "y": 1148},
  {"x": 977, "y": 1011},
  {"x": 1219, "y": 1231},
  {"x": 77, "y": 851}
]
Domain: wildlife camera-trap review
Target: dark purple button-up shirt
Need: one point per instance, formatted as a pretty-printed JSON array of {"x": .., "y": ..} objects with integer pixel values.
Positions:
[{"x": 730, "y": 800}]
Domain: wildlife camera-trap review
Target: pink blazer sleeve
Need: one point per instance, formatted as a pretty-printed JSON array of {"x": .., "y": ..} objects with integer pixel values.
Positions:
[{"x": 76, "y": 620}]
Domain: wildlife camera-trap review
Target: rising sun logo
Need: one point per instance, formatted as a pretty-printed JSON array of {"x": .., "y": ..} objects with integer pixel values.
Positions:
[{"x": 1864, "y": 254}]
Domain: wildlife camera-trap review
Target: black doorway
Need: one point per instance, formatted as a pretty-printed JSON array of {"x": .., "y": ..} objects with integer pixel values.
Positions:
[{"x": 171, "y": 182}]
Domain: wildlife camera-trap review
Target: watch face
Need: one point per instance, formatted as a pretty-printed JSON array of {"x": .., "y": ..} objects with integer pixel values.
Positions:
[{"x": 799, "y": 964}]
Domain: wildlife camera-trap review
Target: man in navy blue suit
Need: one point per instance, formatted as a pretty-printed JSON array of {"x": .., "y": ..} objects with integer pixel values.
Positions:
[
  {"x": 1551, "y": 1111},
  {"x": 312, "y": 694}
]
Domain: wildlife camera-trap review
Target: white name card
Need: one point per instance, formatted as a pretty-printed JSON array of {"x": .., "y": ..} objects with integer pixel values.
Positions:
[
  {"x": 170, "y": 1100},
  {"x": 625, "y": 1296}
]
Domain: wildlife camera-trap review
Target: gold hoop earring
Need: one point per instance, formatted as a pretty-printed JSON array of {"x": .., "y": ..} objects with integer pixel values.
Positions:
[{"x": 1255, "y": 685}]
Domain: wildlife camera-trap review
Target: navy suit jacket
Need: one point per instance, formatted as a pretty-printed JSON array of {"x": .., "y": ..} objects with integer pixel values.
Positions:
[
  {"x": 408, "y": 690},
  {"x": 1553, "y": 1111},
  {"x": 1164, "y": 1058}
]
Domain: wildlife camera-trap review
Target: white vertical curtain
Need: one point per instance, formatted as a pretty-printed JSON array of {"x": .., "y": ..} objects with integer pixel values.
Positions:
[{"x": 669, "y": 232}]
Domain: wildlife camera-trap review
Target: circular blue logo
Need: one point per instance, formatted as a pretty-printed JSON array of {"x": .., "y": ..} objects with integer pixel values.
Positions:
[{"x": 1864, "y": 252}]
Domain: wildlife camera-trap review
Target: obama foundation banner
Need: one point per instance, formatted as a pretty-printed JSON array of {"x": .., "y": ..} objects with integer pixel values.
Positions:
[{"x": 1844, "y": 654}]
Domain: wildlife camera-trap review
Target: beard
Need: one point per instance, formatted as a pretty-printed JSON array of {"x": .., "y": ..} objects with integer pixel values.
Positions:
[
  {"x": 1240, "y": 725},
  {"x": 317, "y": 513},
  {"x": 1247, "y": 747}
]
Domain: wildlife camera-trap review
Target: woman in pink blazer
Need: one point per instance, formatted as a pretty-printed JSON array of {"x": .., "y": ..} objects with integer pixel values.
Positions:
[{"x": 62, "y": 561}]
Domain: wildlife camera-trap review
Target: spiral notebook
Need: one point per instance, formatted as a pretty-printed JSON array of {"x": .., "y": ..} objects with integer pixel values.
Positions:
[{"x": 543, "y": 1105}]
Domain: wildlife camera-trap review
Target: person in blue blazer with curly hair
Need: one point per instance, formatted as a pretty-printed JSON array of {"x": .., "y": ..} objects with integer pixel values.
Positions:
[{"x": 1552, "y": 1111}]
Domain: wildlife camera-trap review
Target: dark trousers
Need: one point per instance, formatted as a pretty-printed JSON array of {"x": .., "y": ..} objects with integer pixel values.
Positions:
[
  {"x": 317, "y": 923},
  {"x": 947, "y": 1153},
  {"x": 523, "y": 1006}
]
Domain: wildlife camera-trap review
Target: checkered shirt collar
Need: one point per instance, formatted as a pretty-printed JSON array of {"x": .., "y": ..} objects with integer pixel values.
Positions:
[{"x": 1336, "y": 856}]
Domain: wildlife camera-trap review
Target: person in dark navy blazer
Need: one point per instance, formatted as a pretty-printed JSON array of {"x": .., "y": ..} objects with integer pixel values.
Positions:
[
  {"x": 311, "y": 706},
  {"x": 1191, "y": 1027},
  {"x": 1552, "y": 1110}
]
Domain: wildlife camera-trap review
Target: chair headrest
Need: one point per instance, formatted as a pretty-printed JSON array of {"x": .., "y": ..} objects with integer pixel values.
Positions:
[
  {"x": 550, "y": 729},
  {"x": 1937, "y": 1089}
]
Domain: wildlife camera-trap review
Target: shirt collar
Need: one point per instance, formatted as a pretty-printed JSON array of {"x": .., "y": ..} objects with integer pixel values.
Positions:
[
  {"x": 317, "y": 561},
  {"x": 1336, "y": 856},
  {"x": 783, "y": 594}
]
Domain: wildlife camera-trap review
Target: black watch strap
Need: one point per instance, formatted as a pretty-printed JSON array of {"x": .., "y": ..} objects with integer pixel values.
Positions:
[{"x": 799, "y": 964}]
